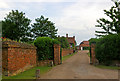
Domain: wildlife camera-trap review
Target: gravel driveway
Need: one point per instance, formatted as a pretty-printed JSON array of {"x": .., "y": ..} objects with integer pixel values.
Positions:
[{"x": 78, "y": 67}]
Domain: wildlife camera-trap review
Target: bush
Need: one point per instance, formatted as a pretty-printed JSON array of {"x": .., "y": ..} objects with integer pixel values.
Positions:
[
  {"x": 63, "y": 42},
  {"x": 92, "y": 40},
  {"x": 108, "y": 49},
  {"x": 45, "y": 50}
]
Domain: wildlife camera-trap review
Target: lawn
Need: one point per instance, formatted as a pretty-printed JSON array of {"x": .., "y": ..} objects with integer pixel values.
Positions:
[
  {"x": 66, "y": 57},
  {"x": 108, "y": 67},
  {"x": 29, "y": 74}
]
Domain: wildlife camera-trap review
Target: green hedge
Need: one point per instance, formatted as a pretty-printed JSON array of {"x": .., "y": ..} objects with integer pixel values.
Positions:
[
  {"x": 108, "y": 49},
  {"x": 45, "y": 50},
  {"x": 92, "y": 40},
  {"x": 63, "y": 42}
]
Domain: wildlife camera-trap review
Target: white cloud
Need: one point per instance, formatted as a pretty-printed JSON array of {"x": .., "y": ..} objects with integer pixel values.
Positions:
[
  {"x": 3, "y": 9},
  {"x": 3, "y": 4},
  {"x": 80, "y": 18},
  {"x": 40, "y": 0}
]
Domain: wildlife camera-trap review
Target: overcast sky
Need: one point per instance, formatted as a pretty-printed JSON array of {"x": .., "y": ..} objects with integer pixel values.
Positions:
[{"x": 75, "y": 17}]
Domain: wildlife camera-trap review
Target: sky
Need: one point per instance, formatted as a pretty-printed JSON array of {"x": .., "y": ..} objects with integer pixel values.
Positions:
[{"x": 75, "y": 17}]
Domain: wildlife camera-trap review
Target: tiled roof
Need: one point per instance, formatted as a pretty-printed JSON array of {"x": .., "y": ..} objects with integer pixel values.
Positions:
[{"x": 85, "y": 43}]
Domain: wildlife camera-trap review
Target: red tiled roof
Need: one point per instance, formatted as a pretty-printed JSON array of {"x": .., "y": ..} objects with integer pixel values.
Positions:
[{"x": 85, "y": 44}]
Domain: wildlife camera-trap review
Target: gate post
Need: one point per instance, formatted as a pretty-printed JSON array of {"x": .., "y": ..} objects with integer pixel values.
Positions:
[
  {"x": 93, "y": 52},
  {"x": 57, "y": 54}
]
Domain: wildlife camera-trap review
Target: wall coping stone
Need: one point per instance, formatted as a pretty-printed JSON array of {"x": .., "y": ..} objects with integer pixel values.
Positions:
[{"x": 14, "y": 44}]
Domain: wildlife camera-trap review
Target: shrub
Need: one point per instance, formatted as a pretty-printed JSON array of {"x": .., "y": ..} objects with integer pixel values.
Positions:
[
  {"x": 108, "y": 49},
  {"x": 45, "y": 50},
  {"x": 63, "y": 42},
  {"x": 92, "y": 40}
]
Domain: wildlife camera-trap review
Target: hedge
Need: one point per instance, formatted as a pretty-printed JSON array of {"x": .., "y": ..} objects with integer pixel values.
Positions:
[
  {"x": 45, "y": 50},
  {"x": 63, "y": 42},
  {"x": 108, "y": 49},
  {"x": 92, "y": 40}
]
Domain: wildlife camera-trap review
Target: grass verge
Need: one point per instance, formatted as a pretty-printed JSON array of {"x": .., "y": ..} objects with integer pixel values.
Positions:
[
  {"x": 108, "y": 67},
  {"x": 29, "y": 74},
  {"x": 66, "y": 57},
  {"x": 88, "y": 54}
]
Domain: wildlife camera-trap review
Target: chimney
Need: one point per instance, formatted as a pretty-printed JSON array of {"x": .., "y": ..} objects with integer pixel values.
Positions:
[
  {"x": 58, "y": 35},
  {"x": 66, "y": 35},
  {"x": 74, "y": 37}
]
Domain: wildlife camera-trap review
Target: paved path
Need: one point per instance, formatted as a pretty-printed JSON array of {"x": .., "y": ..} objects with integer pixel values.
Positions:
[{"x": 78, "y": 67}]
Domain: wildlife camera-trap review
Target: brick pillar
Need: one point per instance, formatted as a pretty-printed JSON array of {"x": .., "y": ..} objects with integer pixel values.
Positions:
[
  {"x": 93, "y": 52},
  {"x": 56, "y": 54}
]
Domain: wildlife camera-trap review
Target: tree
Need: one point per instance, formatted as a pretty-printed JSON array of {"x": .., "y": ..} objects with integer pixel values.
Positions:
[
  {"x": 43, "y": 28},
  {"x": 111, "y": 26},
  {"x": 16, "y": 26},
  {"x": 0, "y": 28},
  {"x": 63, "y": 42}
]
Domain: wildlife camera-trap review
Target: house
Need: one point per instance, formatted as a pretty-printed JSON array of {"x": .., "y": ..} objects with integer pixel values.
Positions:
[
  {"x": 77, "y": 47},
  {"x": 84, "y": 45},
  {"x": 71, "y": 41}
]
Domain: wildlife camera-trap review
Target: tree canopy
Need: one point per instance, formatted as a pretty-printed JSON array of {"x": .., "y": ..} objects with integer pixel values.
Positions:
[
  {"x": 63, "y": 42},
  {"x": 43, "y": 28},
  {"x": 16, "y": 26},
  {"x": 111, "y": 25}
]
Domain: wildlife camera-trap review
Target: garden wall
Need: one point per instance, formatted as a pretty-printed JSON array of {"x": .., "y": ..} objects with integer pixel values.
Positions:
[
  {"x": 17, "y": 57},
  {"x": 93, "y": 53},
  {"x": 66, "y": 51},
  {"x": 44, "y": 63},
  {"x": 57, "y": 59}
]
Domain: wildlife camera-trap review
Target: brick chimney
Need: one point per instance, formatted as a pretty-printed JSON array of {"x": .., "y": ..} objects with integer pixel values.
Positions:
[
  {"x": 66, "y": 35},
  {"x": 74, "y": 37}
]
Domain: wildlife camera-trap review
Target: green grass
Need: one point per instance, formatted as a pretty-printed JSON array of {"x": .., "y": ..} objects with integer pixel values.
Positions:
[
  {"x": 66, "y": 57},
  {"x": 108, "y": 67},
  {"x": 29, "y": 74},
  {"x": 88, "y": 54}
]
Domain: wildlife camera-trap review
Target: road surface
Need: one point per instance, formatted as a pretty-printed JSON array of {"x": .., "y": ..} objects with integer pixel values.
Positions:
[{"x": 78, "y": 67}]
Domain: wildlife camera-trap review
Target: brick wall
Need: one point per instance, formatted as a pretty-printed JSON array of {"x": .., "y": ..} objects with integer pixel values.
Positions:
[
  {"x": 56, "y": 54},
  {"x": 66, "y": 52},
  {"x": 17, "y": 57},
  {"x": 44, "y": 63},
  {"x": 93, "y": 58}
]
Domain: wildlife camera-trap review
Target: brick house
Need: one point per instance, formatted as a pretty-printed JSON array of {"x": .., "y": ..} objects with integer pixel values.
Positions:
[
  {"x": 71, "y": 41},
  {"x": 83, "y": 45}
]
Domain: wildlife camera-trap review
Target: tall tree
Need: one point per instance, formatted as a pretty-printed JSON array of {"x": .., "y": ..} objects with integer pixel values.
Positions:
[
  {"x": 112, "y": 25},
  {"x": 16, "y": 26},
  {"x": 43, "y": 28}
]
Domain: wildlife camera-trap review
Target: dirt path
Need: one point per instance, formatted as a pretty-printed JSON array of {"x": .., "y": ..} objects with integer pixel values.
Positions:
[{"x": 78, "y": 67}]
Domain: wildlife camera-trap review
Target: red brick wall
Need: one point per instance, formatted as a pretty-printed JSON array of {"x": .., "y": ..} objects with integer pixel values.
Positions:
[
  {"x": 66, "y": 52},
  {"x": 56, "y": 54},
  {"x": 93, "y": 59},
  {"x": 44, "y": 63},
  {"x": 17, "y": 57}
]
